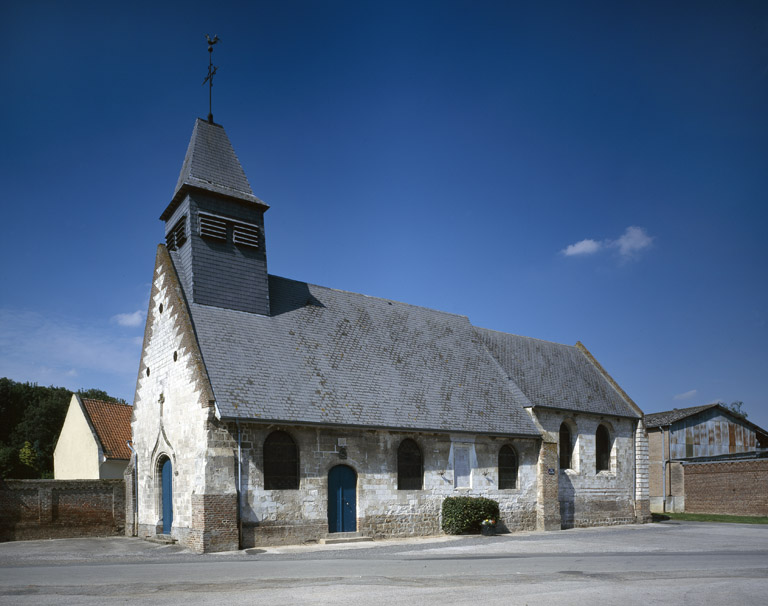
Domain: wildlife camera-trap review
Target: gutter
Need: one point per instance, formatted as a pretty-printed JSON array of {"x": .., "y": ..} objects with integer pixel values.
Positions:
[{"x": 239, "y": 488}]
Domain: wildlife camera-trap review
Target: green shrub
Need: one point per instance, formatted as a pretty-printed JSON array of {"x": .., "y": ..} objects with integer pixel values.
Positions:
[{"x": 461, "y": 514}]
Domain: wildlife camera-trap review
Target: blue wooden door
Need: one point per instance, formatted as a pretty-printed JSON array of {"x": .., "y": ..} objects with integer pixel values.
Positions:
[
  {"x": 342, "y": 499},
  {"x": 167, "y": 496}
]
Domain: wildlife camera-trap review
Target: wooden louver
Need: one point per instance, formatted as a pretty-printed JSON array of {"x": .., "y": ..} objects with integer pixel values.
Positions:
[
  {"x": 245, "y": 234},
  {"x": 213, "y": 227},
  {"x": 178, "y": 234}
]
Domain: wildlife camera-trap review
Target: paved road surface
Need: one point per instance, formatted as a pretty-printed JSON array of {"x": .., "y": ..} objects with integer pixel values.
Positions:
[{"x": 670, "y": 563}]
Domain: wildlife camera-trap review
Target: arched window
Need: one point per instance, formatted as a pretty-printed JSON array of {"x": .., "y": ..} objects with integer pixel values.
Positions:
[
  {"x": 602, "y": 449},
  {"x": 507, "y": 468},
  {"x": 409, "y": 466},
  {"x": 281, "y": 462},
  {"x": 566, "y": 447}
]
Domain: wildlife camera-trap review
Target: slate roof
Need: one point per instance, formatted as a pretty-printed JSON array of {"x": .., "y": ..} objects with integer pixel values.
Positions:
[
  {"x": 552, "y": 375},
  {"x": 327, "y": 356},
  {"x": 112, "y": 422},
  {"x": 212, "y": 165}
]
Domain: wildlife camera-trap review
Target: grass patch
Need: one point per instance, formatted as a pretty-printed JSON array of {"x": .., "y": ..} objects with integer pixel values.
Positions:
[{"x": 710, "y": 517}]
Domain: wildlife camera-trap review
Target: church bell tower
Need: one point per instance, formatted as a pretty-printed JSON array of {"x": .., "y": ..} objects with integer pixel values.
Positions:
[{"x": 214, "y": 227}]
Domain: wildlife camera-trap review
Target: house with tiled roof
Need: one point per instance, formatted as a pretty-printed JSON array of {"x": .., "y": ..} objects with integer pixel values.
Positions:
[
  {"x": 697, "y": 442},
  {"x": 269, "y": 410},
  {"x": 93, "y": 443}
]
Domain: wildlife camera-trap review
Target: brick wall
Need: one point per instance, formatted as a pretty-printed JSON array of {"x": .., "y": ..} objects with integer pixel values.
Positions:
[
  {"x": 55, "y": 509},
  {"x": 727, "y": 487}
]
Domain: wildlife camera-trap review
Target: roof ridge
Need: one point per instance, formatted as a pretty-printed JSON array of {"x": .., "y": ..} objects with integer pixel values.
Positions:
[
  {"x": 360, "y": 294},
  {"x": 512, "y": 334}
]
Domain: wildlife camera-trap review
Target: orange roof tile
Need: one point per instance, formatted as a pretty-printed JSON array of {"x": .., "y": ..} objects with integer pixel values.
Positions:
[{"x": 112, "y": 422}]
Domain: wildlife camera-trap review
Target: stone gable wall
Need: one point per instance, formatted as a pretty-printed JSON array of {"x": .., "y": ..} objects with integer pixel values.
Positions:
[
  {"x": 174, "y": 417},
  {"x": 56, "y": 509},
  {"x": 588, "y": 497},
  {"x": 290, "y": 516}
]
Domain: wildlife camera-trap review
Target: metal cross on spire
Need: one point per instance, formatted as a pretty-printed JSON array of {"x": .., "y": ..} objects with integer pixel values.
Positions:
[{"x": 211, "y": 73}]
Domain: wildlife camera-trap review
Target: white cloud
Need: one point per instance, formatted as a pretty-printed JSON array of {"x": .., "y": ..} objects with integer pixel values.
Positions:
[
  {"x": 630, "y": 243},
  {"x": 687, "y": 395},
  {"x": 585, "y": 247},
  {"x": 133, "y": 319},
  {"x": 633, "y": 240}
]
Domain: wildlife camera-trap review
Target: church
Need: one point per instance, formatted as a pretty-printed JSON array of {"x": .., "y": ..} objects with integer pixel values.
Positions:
[{"x": 271, "y": 411}]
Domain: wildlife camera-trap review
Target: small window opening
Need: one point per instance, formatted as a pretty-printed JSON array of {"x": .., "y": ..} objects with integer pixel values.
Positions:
[
  {"x": 507, "y": 468},
  {"x": 566, "y": 447},
  {"x": 161, "y": 308},
  {"x": 410, "y": 469},
  {"x": 602, "y": 449},
  {"x": 147, "y": 370},
  {"x": 175, "y": 356},
  {"x": 281, "y": 462}
]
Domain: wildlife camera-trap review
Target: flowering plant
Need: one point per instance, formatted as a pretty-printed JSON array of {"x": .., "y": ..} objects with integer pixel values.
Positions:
[{"x": 488, "y": 522}]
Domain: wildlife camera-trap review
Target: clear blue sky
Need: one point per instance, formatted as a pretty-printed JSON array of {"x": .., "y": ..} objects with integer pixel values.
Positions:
[{"x": 593, "y": 171}]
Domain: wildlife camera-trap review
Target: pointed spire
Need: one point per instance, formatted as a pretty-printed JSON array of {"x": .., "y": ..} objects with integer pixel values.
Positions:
[{"x": 212, "y": 165}]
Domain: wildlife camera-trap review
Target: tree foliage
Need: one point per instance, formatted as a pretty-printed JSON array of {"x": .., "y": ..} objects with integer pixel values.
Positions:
[
  {"x": 31, "y": 418},
  {"x": 737, "y": 408}
]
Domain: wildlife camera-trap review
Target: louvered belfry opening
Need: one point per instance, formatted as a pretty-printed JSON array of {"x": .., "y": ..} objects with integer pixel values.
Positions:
[
  {"x": 177, "y": 235},
  {"x": 215, "y": 214}
]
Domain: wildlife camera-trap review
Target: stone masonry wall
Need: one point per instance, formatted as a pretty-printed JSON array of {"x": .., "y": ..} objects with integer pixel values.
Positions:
[
  {"x": 727, "y": 487},
  {"x": 588, "y": 497},
  {"x": 291, "y": 516},
  {"x": 642, "y": 475},
  {"x": 174, "y": 417},
  {"x": 55, "y": 509}
]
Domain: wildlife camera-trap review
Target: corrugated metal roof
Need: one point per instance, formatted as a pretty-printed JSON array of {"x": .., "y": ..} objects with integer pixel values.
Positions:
[{"x": 657, "y": 419}]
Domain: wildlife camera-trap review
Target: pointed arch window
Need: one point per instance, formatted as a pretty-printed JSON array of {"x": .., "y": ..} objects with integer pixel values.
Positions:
[
  {"x": 410, "y": 468},
  {"x": 566, "y": 447},
  {"x": 281, "y": 462},
  {"x": 602, "y": 449},
  {"x": 507, "y": 468}
]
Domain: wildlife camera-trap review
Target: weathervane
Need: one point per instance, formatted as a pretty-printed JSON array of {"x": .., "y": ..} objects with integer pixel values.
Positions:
[{"x": 211, "y": 73}]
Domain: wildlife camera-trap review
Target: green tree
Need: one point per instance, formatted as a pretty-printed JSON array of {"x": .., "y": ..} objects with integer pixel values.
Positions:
[
  {"x": 737, "y": 408},
  {"x": 35, "y": 414},
  {"x": 28, "y": 459}
]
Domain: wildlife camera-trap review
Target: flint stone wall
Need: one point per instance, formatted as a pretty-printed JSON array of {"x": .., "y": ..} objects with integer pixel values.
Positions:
[{"x": 291, "y": 516}]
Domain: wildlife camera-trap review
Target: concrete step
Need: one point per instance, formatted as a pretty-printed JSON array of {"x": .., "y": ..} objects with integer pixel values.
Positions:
[
  {"x": 164, "y": 539},
  {"x": 334, "y": 538}
]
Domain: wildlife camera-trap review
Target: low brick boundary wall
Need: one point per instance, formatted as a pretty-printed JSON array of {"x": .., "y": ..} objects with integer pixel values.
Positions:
[
  {"x": 56, "y": 509},
  {"x": 727, "y": 487}
]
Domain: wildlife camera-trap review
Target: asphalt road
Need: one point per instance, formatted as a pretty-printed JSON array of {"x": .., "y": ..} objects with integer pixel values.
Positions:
[{"x": 670, "y": 563}]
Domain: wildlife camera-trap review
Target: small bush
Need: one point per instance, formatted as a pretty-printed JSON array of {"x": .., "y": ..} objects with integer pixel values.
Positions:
[{"x": 462, "y": 514}]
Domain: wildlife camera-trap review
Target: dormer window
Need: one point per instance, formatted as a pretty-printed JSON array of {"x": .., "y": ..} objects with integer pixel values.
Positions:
[
  {"x": 216, "y": 228},
  {"x": 178, "y": 234}
]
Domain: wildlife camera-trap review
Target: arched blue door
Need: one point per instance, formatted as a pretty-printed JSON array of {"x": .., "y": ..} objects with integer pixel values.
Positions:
[
  {"x": 342, "y": 499},
  {"x": 167, "y": 490}
]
